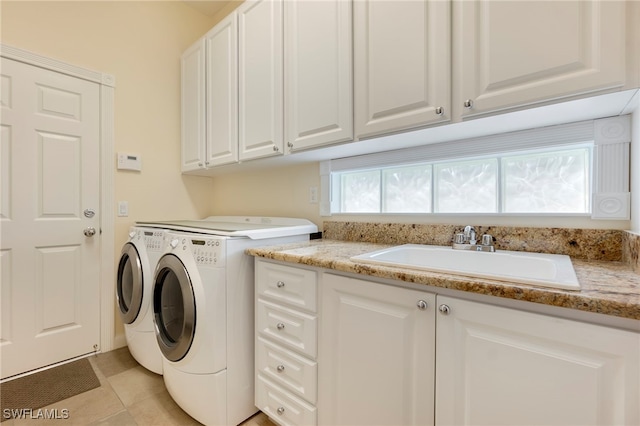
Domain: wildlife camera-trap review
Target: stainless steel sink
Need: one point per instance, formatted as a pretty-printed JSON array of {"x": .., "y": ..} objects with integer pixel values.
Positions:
[{"x": 548, "y": 270}]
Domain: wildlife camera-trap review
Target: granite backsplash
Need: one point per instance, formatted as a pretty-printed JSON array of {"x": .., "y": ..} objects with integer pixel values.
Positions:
[
  {"x": 586, "y": 244},
  {"x": 630, "y": 250}
]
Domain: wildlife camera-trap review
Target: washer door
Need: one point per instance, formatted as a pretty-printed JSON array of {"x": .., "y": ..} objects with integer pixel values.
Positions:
[
  {"x": 174, "y": 308},
  {"x": 130, "y": 283}
]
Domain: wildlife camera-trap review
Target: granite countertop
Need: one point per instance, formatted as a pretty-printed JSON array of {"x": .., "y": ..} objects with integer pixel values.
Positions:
[{"x": 610, "y": 288}]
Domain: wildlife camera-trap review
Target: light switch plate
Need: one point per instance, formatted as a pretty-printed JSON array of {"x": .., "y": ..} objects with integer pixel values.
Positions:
[{"x": 123, "y": 208}]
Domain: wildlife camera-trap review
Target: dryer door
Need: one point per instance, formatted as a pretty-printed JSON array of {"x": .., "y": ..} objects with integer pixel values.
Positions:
[
  {"x": 129, "y": 283},
  {"x": 174, "y": 308}
]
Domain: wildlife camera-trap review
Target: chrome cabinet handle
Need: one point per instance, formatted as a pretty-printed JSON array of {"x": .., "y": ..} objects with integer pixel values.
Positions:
[
  {"x": 280, "y": 326},
  {"x": 280, "y": 410},
  {"x": 280, "y": 368},
  {"x": 422, "y": 305},
  {"x": 89, "y": 232},
  {"x": 468, "y": 104},
  {"x": 280, "y": 284},
  {"x": 444, "y": 309},
  {"x": 439, "y": 110}
]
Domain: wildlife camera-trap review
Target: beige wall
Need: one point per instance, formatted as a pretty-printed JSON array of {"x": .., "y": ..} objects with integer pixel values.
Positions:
[
  {"x": 283, "y": 191},
  {"x": 140, "y": 44}
]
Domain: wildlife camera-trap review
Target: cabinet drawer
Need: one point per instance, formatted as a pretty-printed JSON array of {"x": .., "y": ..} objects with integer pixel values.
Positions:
[
  {"x": 291, "y": 371},
  {"x": 282, "y": 406},
  {"x": 294, "y": 286},
  {"x": 288, "y": 327}
]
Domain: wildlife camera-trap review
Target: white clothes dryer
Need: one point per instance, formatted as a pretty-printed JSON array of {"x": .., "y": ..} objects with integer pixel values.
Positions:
[
  {"x": 203, "y": 305},
  {"x": 134, "y": 293}
]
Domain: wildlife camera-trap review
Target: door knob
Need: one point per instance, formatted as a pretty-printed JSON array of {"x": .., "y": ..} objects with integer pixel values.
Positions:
[{"x": 89, "y": 232}]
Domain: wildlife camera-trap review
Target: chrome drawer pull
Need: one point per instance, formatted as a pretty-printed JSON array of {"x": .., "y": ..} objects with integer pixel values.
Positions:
[
  {"x": 280, "y": 284},
  {"x": 281, "y": 410},
  {"x": 280, "y": 326},
  {"x": 280, "y": 368}
]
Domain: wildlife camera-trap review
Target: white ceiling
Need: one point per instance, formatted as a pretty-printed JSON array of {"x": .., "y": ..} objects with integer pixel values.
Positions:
[{"x": 208, "y": 7}]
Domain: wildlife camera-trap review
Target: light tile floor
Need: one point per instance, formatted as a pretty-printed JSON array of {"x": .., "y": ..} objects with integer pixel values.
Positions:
[{"x": 128, "y": 395}]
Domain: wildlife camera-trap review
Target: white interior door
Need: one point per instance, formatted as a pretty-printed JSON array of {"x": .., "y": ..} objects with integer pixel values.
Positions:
[{"x": 50, "y": 180}]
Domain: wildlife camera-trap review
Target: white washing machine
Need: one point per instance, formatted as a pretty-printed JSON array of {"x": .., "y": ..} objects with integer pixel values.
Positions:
[
  {"x": 134, "y": 292},
  {"x": 203, "y": 311}
]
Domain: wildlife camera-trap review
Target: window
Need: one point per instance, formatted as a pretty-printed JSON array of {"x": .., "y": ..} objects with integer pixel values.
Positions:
[
  {"x": 575, "y": 169},
  {"x": 555, "y": 180}
]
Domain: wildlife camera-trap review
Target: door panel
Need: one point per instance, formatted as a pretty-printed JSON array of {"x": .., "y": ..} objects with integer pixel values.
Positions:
[
  {"x": 318, "y": 87},
  {"x": 498, "y": 366},
  {"x": 5, "y": 171},
  {"x": 193, "y": 107},
  {"x": 260, "y": 79},
  {"x": 376, "y": 360},
  {"x": 59, "y": 187},
  {"x": 555, "y": 49},
  {"x": 222, "y": 92},
  {"x": 56, "y": 287},
  {"x": 401, "y": 65},
  {"x": 50, "y": 174}
]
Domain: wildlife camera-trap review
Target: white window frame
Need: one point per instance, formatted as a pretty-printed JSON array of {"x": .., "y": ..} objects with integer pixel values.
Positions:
[{"x": 611, "y": 137}]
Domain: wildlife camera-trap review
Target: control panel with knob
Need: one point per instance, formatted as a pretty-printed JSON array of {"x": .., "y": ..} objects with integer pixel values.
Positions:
[{"x": 153, "y": 240}]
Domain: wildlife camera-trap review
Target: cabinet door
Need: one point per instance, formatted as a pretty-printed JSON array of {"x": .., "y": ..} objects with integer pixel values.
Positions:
[
  {"x": 222, "y": 92},
  {"x": 318, "y": 69},
  {"x": 261, "y": 123},
  {"x": 376, "y": 360},
  {"x": 500, "y": 366},
  {"x": 192, "y": 65},
  {"x": 516, "y": 53},
  {"x": 401, "y": 64}
]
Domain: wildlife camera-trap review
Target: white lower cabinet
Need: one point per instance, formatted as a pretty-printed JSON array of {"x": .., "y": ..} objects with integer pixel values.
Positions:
[
  {"x": 376, "y": 354},
  {"x": 500, "y": 366},
  {"x": 391, "y": 355},
  {"x": 286, "y": 343}
]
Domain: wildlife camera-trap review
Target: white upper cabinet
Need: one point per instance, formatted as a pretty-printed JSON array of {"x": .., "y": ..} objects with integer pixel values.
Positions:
[
  {"x": 318, "y": 73},
  {"x": 288, "y": 76},
  {"x": 497, "y": 365},
  {"x": 210, "y": 98},
  {"x": 192, "y": 67},
  {"x": 222, "y": 92},
  {"x": 511, "y": 54},
  {"x": 261, "y": 79},
  {"x": 402, "y": 56}
]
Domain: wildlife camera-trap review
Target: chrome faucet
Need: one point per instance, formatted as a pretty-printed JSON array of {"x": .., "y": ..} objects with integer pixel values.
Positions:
[
  {"x": 470, "y": 234},
  {"x": 466, "y": 240}
]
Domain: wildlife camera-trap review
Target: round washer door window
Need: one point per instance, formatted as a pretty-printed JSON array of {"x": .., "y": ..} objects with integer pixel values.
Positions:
[
  {"x": 129, "y": 284},
  {"x": 174, "y": 309}
]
